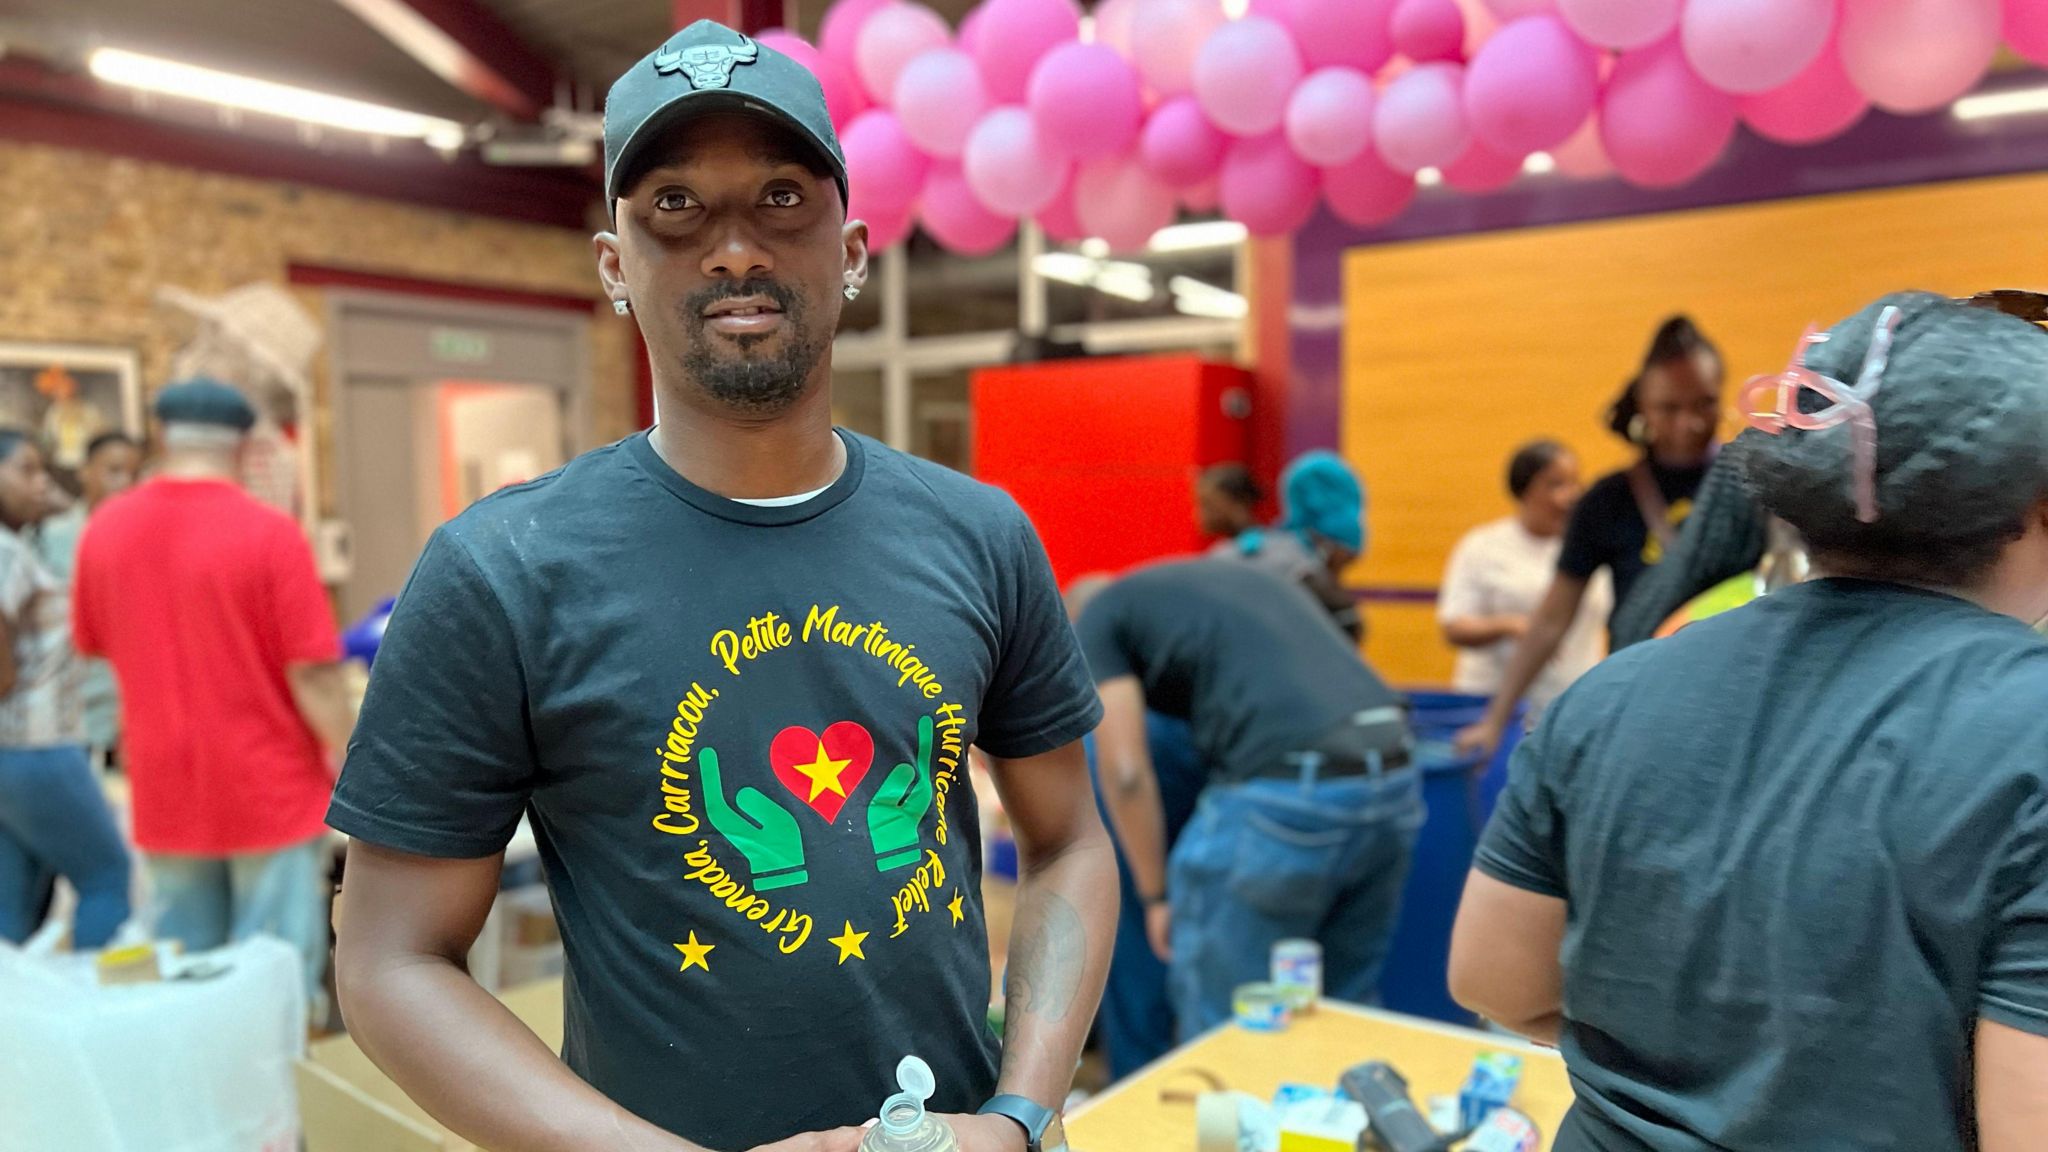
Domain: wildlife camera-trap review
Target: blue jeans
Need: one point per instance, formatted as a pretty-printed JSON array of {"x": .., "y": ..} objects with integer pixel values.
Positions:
[
  {"x": 1267, "y": 860},
  {"x": 209, "y": 902},
  {"x": 54, "y": 822}
]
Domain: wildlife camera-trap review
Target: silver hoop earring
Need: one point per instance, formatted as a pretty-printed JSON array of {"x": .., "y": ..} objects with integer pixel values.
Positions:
[
  {"x": 622, "y": 307},
  {"x": 850, "y": 292}
]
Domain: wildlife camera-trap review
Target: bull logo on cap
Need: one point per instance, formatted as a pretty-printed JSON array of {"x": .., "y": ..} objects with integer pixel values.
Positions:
[{"x": 707, "y": 65}]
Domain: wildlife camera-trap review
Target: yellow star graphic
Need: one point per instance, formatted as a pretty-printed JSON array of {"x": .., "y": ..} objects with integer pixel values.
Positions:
[
  {"x": 694, "y": 954},
  {"x": 849, "y": 943},
  {"x": 954, "y": 907},
  {"x": 824, "y": 774}
]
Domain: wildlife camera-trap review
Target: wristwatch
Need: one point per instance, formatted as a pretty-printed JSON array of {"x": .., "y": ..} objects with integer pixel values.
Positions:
[{"x": 1043, "y": 1129}]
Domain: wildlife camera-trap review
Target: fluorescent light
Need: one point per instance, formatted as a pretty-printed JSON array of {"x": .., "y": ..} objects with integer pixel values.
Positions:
[
  {"x": 1540, "y": 164},
  {"x": 1200, "y": 298},
  {"x": 1236, "y": 9},
  {"x": 1110, "y": 277},
  {"x": 1095, "y": 248},
  {"x": 1989, "y": 105},
  {"x": 1197, "y": 236},
  {"x": 1429, "y": 177},
  {"x": 153, "y": 74}
]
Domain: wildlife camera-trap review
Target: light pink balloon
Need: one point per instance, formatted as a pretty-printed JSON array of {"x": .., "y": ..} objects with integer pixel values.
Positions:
[
  {"x": 1179, "y": 145},
  {"x": 1750, "y": 46},
  {"x": 939, "y": 99},
  {"x": 1342, "y": 33},
  {"x": 953, "y": 216},
  {"x": 1530, "y": 86},
  {"x": 1620, "y": 23},
  {"x": 884, "y": 168},
  {"x": 1582, "y": 157},
  {"x": 843, "y": 96},
  {"x": 891, "y": 39},
  {"x": 1009, "y": 166},
  {"x": 1059, "y": 221},
  {"x": 1087, "y": 101},
  {"x": 1167, "y": 35},
  {"x": 1482, "y": 170},
  {"x": 1419, "y": 121},
  {"x": 1203, "y": 198},
  {"x": 1426, "y": 30},
  {"x": 1916, "y": 55},
  {"x": 1119, "y": 201},
  {"x": 1012, "y": 36},
  {"x": 1506, "y": 10},
  {"x": 1366, "y": 193},
  {"x": 1266, "y": 187},
  {"x": 1329, "y": 118},
  {"x": 1113, "y": 24},
  {"x": 1244, "y": 75},
  {"x": 1660, "y": 123},
  {"x": 1818, "y": 104},
  {"x": 839, "y": 31},
  {"x": 2026, "y": 28}
]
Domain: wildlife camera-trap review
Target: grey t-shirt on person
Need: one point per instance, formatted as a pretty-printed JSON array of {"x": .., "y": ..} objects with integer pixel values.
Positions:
[
  {"x": 1804, "y": 847},
  {"x": 45, "y": 708}
]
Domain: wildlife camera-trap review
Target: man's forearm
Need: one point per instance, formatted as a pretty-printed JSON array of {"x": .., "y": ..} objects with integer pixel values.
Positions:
[
  {"x": 1131, "y": 793},
  {"x": 1059, "y": 958},
  {"x": 321, "y": 693}
]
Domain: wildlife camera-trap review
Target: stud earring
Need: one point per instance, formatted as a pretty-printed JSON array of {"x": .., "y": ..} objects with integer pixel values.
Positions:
[
  {"x": 622, "y": 307},
  {"x": 850, "y": 291}
]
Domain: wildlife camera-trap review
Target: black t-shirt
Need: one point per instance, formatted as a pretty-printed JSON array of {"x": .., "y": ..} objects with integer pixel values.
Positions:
[
  {"x": 1607, "y": 529},
  {"x": 1803, "y": 847},
  {"x": 1250, "y": 660},
  {"x": 741, "y": 734}
]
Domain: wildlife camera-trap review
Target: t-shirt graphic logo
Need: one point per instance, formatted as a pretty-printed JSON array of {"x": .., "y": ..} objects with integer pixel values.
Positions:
[
  {"x": 822, "y": 770},
  {"x": 707, "y": 65}
]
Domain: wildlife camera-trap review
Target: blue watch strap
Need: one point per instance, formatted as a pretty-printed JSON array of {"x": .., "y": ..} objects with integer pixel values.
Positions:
[{"x": 1028, "y": 1114}]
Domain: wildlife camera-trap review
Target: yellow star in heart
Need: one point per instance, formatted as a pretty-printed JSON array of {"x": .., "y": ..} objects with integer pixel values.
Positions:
[
  {"x": 694, "y": 954},
  {"x": 954, "y": 907},
  {"x": 824, "y": 775},
  {"x": 849, "y": 943}
]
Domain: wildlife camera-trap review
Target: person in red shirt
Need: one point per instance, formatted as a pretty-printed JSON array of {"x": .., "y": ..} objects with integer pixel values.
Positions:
[{"x": 208, "y": 606}]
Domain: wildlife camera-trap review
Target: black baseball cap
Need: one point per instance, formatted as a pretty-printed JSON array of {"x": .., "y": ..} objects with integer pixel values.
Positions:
[
  {"x": 204, "y": 401},
  {"x": 708, "y": 67}
]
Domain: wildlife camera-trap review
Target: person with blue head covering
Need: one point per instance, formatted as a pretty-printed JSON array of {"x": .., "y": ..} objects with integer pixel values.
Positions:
[{"x": 1320, "y": 533}]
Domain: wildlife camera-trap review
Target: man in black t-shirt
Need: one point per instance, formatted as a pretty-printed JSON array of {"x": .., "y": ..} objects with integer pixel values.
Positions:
[
  {"x": 1311, "y": 813},
  {"x": 730, "y": 670}
]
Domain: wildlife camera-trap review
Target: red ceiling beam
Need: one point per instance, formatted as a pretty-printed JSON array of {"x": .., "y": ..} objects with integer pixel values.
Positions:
[
  {"x": 469, "y": 46},
  {"x": 749, "y": 16}
]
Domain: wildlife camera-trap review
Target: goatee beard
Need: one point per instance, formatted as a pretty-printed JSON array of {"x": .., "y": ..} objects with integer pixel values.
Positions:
[{"x": 765, "y": 386}]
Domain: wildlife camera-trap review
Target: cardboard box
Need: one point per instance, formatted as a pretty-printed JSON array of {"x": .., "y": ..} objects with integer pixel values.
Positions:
[{"x": 347, "y": 1105}]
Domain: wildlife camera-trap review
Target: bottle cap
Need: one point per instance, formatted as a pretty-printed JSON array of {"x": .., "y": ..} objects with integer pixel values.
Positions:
[{"x": 915, "y": 1077}]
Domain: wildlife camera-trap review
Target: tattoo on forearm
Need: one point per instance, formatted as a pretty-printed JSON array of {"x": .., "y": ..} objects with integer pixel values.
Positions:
[{"x": 1048, "y": 949}]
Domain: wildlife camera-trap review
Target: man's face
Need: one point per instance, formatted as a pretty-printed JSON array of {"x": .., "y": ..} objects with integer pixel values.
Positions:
[
  {"x": 734, "y": 255},
  {"x": 109, "y": 472}
]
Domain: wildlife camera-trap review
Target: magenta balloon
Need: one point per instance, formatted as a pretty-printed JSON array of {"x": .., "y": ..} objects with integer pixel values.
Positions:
[
  {"x": 1245, "y": 74},
  {"x": 884, "y": 169},
  {"x": 1087, "y": 101},
  {"x": 1167, "y": 36},
  {"x": 939, "y": 99},
  {"x": 1818, "y": 104},
  {"x": 843, "y": 97},
  {"x": 890, "y": 40},
  {"x": 953, "y": 216},
  {"x": 1582, "y": 157},
  {"x": 1506, "y": 10},
  {"x": 1750, "y": 46},
  {"x": 1203, "y": 198},
  {"x": 2026, "y": 28},
  {"x": 1012, "y": 36},
  {"x": 1913, "y": 56},
  {"x": 885, "y": 229},
  {"x": 1620, "y": 23},
  {"x": 1266, "y": 187},
  {"x": 1329, "y": 117},
  {"x": 1119, "y": 201},
  {"x": 1342, "y": 33},
  {"x": 1482, "y": 170},
  {"x": 839, "y": 31},
  {"x": 1426, "y": 30},
  {"x": 1179, "y": 145},
  {"x": 1009, "y": 166},
  {"x": 1419, "y": 121},
  {"x": 1059, "y": 220},
  {"x": 1366, "y": 193},
  {"x": 1531, "y": 86},
  {"x": 1660, "y": 123},
  {"x": 968, "y": 34}
]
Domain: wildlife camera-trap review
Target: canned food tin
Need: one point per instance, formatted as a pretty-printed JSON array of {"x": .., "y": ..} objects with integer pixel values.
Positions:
[
  {"x": 1298, "y": 967},
  {"x": 1261, "y": 1007}
]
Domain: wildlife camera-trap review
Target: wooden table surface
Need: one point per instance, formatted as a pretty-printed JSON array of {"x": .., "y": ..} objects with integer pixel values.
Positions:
[{"x": 1316, "y": 1049}]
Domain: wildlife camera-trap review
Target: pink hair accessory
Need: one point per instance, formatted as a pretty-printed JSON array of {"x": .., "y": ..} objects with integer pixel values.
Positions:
[{"x": 1848, "y": 403}]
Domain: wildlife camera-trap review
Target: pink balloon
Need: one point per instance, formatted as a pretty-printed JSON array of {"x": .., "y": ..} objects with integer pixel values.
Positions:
[
  {"x": 1530, "y": 86},
  {"x": 891, "y": 39},
  {"x": 1749, "y": 46},
  {"x": 1179, "y": 145},
  {"x": 1087, "y": 101},
  {"x": 952, "y": 216},
  {"x": 1012, "y": 36},
  {"x": 1419, "y": 121},
  {"x": 1244, "y": 75},
  {"x": 839, "y": 31},
  {"x": 2026, "y": 28},
  {"x": 1167, "y": 35},
  {"x": 1818, "y": 104},
  {"x": 1426, "y": 30},
  {"x": 1481, "y": 170},
  {"x": 968, "y": 34},
  {"x": 1660, "y": 124},
  {"x": 1329, "y": 117},
  {"x": 1009, "y": 166},
  {"x": 939, "y": 98},
  {"x": 1059, "y": 220},
  {"x": 885, "y": 230},
  {"x": 1366, "y": 193},
  {"x": 1203, "y": 198},
  {"x": 843, "y": 97},
  {"x": 1916, "y": 55},
  {"x": 884, "y": 169},
  {"x": 1582, "y": 157},
  {"x": 1119, "y": 201},
  {"x": 1620, "y": 23},
  {"x": 1506, "y": 10},
  {"x": 1342, "y": 33},
  {"x": 1266, "y": 187},
  {"x": 1113, "y": 24}
]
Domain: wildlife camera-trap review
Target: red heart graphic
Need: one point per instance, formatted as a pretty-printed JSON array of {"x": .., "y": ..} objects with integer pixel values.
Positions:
[{"x": 822, "y": 770}]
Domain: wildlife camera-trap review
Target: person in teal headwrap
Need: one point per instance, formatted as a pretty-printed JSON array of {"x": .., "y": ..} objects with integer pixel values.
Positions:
[{"x": 1321, "y": 532}]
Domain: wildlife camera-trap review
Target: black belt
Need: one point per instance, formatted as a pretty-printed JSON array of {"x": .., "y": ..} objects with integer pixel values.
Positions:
[{"x": 1374, "y": 742}]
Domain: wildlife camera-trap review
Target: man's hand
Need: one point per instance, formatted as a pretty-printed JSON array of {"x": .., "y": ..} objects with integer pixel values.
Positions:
[
  {"x": 1159, "y": 929},
  {"x": 764, "y": 833},
  {"x": 1481, "y": 740},
  {"x": 836, "y": 1140},
  {"x": 987, "y": 1133}
]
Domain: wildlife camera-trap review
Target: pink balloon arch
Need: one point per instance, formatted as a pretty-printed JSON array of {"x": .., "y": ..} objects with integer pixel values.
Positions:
[{"x": 1109, "y": 125}]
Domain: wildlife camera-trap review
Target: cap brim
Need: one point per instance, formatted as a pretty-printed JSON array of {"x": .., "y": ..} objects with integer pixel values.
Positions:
[{"x": 704, "y": 102}]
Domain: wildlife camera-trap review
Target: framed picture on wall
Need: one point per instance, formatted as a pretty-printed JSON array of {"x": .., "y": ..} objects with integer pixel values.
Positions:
[{"x": 66, "y": 394}]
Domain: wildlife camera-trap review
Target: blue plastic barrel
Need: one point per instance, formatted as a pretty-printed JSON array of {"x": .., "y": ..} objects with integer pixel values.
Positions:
[{"x": 1415, "y": 979}]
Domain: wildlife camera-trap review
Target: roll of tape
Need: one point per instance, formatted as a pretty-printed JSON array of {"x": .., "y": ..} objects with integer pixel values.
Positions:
[{"x": 1216, "y": 1121}]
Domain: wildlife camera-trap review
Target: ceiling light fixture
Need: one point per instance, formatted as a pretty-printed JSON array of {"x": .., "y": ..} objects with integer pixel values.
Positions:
[
  {"x": 246, "y": 93},
  {"x": 1429, "y": 177},
  {"x": 1197, "y": 236},
  {"x": 1991, "y": 105},
  {"x": 1194, "y": 297},
  {"x": 1540, "y": 164},
  {"x": 1117, "y": 278}
]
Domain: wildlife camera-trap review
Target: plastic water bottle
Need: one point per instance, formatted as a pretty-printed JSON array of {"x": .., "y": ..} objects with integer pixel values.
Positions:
[{"x": 904, "y": 1125}]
